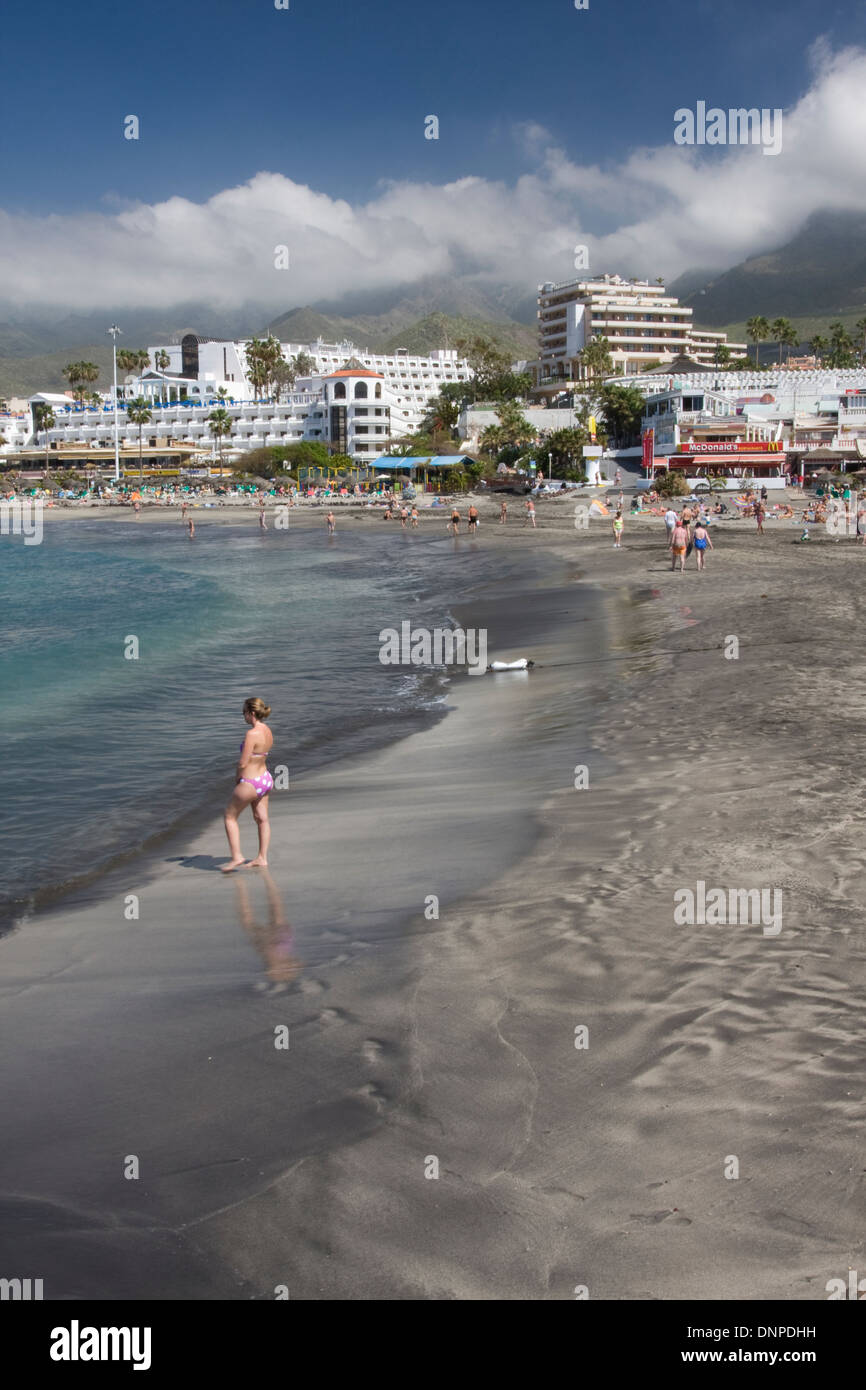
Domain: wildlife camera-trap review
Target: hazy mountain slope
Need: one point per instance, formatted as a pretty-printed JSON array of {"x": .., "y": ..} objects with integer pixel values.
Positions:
[{"x": 819, "y": 275}]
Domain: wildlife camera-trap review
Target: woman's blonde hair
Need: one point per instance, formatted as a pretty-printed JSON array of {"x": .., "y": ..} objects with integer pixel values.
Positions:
[{"x": 257, "y": 707}]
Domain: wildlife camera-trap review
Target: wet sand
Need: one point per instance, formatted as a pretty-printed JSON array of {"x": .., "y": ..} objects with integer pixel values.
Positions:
[{"x": 421, "y": 1044}]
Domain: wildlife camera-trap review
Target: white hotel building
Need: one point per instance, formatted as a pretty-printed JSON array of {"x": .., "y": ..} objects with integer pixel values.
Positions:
[
  {"x": 641, "y": 323},
  {"x": 353, "y": 401}
]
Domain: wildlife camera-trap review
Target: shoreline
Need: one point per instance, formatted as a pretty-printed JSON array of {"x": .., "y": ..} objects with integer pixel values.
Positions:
[{"x": 455, "y": 1038}]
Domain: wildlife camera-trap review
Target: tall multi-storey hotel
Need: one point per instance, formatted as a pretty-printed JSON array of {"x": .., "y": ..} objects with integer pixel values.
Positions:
[{"x": 641, "y": 323}]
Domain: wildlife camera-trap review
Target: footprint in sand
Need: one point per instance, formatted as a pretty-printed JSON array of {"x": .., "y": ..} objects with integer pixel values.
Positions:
[
  {"x": 372, "y": 1093},
  {"x": 331, "y": 1016},
  {"x": 371, "y": 1050},
  {"x": 310, "y": 986},
  {"x": 652, "y": 1218}
]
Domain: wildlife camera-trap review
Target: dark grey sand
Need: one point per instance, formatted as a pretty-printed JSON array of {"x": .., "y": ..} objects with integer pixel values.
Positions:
[{"x": 453, "y": 1039}]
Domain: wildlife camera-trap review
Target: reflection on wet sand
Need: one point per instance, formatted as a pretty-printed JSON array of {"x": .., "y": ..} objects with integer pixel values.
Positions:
[{"x": 272, "y": 939}]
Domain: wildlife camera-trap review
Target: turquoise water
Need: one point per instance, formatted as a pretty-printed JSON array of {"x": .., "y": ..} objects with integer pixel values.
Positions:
[{"x": 103, "y": 752}]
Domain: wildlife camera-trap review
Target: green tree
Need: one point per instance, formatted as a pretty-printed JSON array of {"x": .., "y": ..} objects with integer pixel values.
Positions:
[
  {"x": 820, "y": 347},
  {"x": 841, "y": 346},
  {"x": 671, "y": 483},
  {"x": 138, "y": 413},
  {"x": 284, "y": 375},
  {"x": 511, "y": 432},
  {"x": 785, "y": 334},
  {"x": 80, "y": 375},
  {"x": 220, "y": 426},
  {"x": 622, "y": 408},
  {"x": 860, "y": 328},
  {"x": 758, "y": 329},
  {"x": 566, "y": 448},
  {"x": 303, "y": 364},
  {"x": 256, "y": 368},
  {"x": 721, "y": 355},
  {"x": 43, "y": 419},
  {"x": 596, "y": 358}
]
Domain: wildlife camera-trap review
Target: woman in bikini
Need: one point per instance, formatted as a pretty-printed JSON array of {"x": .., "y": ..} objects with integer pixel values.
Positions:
[
  {"x": 677, "y": 544},
  {"x": 253, "y": 786},
  {"x": 701, "y": 541}
]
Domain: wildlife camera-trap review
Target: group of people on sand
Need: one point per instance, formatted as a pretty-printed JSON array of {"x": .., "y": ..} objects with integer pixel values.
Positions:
[
  {"x": 686, "y": 532},
  {"x": 402, "y": 514}
]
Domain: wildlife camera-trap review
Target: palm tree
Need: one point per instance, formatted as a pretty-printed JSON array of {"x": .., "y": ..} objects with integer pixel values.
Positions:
[
  {"x": 79, "y": 375},
  {"x": 791, "y": 338},
  {"x": 819, "y": 346},
  {"x": 758, "y": 329},
  {"x": 303, "y": 364},
  {"x": 43, "y": 419},
  {"x": 783, "y": 331},
  {"x": 596, "y": 357},
  {"x": 841, "y": 344},
  {"x": 162, "y": 362},
  {"x": 138, "y": 413},
  {"x": 285, "y": 375},
  {"x": 860, "y": 327},
  {"x": 721, "y": 355},
  {"x": 220, "y": 425}
]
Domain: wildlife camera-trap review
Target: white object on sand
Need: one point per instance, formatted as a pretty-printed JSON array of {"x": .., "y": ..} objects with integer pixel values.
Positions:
[{"x": 520, "y": 665}]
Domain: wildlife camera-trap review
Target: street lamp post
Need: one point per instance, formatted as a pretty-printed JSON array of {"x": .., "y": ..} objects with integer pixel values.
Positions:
[{"x": 114, "y": 330}]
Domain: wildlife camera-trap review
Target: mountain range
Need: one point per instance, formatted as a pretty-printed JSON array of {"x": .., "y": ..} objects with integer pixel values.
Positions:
[
  {"x": 817, "y": 276},
  {"x": 34, "y": 348}
]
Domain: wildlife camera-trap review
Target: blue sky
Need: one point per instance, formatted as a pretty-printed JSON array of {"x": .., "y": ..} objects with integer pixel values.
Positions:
[
  {"x": 304, "y": 128},
  {"x": 333, "y": 92}
]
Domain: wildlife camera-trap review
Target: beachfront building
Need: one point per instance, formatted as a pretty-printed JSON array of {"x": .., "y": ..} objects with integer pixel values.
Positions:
[
  {"x": 641, "y": 323},
  {"x": 801, "y": 418},
  {"x": 353, "y": 402},
  {"x": 198, "y": 368}
]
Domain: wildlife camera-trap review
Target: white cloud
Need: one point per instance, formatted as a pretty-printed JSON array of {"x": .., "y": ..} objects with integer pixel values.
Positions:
[{"x": 661, "y": 211}]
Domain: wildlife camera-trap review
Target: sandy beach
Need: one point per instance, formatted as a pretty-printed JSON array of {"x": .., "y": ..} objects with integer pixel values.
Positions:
[{"x": 440, "y": 1125}]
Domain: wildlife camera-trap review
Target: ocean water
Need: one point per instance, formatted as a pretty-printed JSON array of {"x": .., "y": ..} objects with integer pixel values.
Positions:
[{"x": 104, "y": 753}]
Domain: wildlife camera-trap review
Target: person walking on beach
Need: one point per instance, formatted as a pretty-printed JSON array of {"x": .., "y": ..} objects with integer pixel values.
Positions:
[
  {"x": 701, "y": 541},
  {"x": 183, "y": 509},
  {"x": 670, "y": 523},
  {"x": 455, "y": 521},
  {"x": 252, "y": 788},
  {"x": 473, "y": 520},
  {"x": 759, "y": 517},
  {"x": 263, "y": 525},
  {"x": 678, "y": 544},
  {"x": 530, "y": 512},
  {"x": 414, "y": 518},
  {"x": 191, "y": 528},
  {"x": 618, "y": 524},
  {"x": 404, "y": 517},
  {"x": 503, "y": 512},
  {"x": 332, "y": 523}
]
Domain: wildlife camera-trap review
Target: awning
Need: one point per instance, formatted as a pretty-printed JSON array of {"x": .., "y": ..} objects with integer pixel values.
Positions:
[{"x": 726, "y": 460}]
